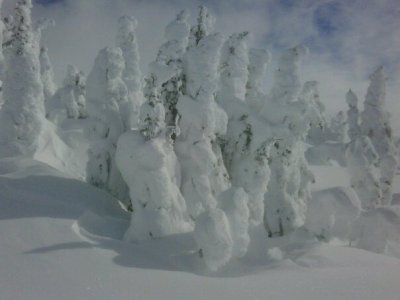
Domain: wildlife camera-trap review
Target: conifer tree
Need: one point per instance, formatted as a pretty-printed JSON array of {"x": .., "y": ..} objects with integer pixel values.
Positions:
[
  {"x": 2, "y": 30},
  {"x": 172, "y": 54},
  {"x": 353, "y": 118},
  {"x": 152, "y": 114},
  {"x": 201, "y": 121},
  {"x": 286, "y": 197},
  {"x": 69, "y": 101},
  {"x": 361, "y": 159},
  {"x": 244, "y": 150},
  {"x": 22, "y": 115},
  {"x": 132, "y": 76},
  {"x": 47, "y": 75},
  {"x": 150, "y": 168},
  {"x": 258, "y": 61},
  {"x": 375, "y": 123},
  {"x": 338, "y": 127},
  {"x": 107, "y": 99},
  {"x": 204, "y": 26}
]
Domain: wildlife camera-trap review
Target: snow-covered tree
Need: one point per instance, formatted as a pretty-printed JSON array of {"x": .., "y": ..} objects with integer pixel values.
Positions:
[
  {"x": 151, "y": 170},
  {"x": 203, "y": 175},
  {"x": 2, "y": 29},
  {"x": 8, "y": 23},
  {"x": 361, "y": 160},
  {"x": 47, "y": 75},
  {"x": 69, "y": 100},
  {"x": 172, "y": 53},
  {"x": 338, "y": 127},
  {"x": 233, "y": 70},
  {"x": 375, "y": 123},
  {"x": 286, "y": 197},
  {"x": 258, "y": 61},
  {"x": 353, "y": 118},
  {"x": 245, "y": 150},
  {"x": 108, "y": 108},
  {"x": 152, "y": 114},
  {"x": 132, "y": 76},
  {"x": 318, "y": 132},
  {"x": 22, "y": 115}
]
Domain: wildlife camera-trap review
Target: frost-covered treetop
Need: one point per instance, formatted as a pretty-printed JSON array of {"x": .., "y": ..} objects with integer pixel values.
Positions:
[
  {"x": 205, "y": 26},
  {"x": 21, "y": 35},
  {"x": 286, "y": 78},
  {"x": 376, "y": 91},
  {"x": 126, "y": 40},
  {"x": 234, "y": 66},
  {"x": 74, "y": 77},
  {"x": 127, "y": 24},
  {"x": 108, "y": 65},
  {"x": 202, "y": 69},
  {"x": 351, "y": 99},
  {"x": 177, "y": 34},
  {"x": 42, "y": 24},
  {"x": 178, "y": 28}
]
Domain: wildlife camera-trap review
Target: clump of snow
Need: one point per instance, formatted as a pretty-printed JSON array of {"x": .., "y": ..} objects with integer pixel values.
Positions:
[
  {"x": 212, "y": 236},
  {"x": 233, "y": 202},
  {"x": 276, "y": 254}
]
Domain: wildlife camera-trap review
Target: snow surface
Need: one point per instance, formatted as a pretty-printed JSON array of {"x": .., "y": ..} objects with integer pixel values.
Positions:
[{"x": 62, "y": 239}]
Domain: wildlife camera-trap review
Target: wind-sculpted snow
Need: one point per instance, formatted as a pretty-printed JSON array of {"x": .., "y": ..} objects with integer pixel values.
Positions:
[{"x": 51, "y": 222}]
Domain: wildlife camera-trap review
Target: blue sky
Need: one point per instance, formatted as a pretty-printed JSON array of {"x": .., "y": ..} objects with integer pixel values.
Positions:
[{"x": 347, "y": 39}]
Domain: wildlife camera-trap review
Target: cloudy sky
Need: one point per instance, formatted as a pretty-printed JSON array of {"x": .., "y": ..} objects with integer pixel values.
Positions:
[{"x": 347, "y": 39}]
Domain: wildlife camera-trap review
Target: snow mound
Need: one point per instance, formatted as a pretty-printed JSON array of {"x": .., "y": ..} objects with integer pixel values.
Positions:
[
  {"x": 332, "y": 212},
  {"x": 378, "y": 229},
  {"x": 325, "y": 153}
]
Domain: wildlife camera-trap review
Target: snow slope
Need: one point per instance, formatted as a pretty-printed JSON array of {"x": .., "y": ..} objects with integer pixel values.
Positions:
[{"x": 61, "y": 239}]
